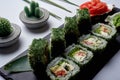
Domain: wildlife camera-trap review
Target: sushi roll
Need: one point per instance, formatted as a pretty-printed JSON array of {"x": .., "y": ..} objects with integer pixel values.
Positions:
[
  {"x": 62, "y": 69},
  {"x": 114, "y": 20},
  {"x": 71, "y": 30},
  {"x": 79, "y": 54},
  {"x": 57, "y": 42},
  {"x": 83, "y": 20},
  {"x": 104, "y": 31},
  {"x": 39, "y": 57},
  {"x": 93, "y": 43}
]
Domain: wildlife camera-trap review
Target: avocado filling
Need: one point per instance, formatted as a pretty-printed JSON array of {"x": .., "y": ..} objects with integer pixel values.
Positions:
[
  {"x": 103, "y": 30},
  {"x": 116, "y": 20}
]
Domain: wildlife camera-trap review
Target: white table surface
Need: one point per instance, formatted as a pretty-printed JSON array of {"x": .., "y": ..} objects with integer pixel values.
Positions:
[{"x": 10, "y": 9}]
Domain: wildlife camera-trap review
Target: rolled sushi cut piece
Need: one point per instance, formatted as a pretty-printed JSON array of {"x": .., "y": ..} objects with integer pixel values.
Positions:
[
  {"x": 78, "y": 54},
  {"x": 39, "y": 56},
  {"x": 114, "y": 20},
  {"x": 62, "y": 69},
  {"x": 104, "y": 31},
  {"x": 71, "y": 30},
  {"x": 83, "y": 20},
  {"x": 94, "y": 43},
  {"x": 57, "y": 42}
]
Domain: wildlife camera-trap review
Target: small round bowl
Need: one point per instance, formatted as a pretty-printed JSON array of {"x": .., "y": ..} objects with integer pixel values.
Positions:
[
  {"x": 12, "y": 38},
  {"x": 34, "y": 22}
]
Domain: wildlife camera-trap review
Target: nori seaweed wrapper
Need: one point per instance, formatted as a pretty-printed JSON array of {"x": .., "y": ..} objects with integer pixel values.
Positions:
[
  {"x": 85, "y": 55},
  {"x": 83, "y": 20},
  {"x": 93, "y": 43},
  {"x": 38, "y": 55},
  {"x": 104, "y": 31},
  {"x": 71, "y": 30},
  {"x": 70, "y": 74},
  {"x": 58, "y": 43}
]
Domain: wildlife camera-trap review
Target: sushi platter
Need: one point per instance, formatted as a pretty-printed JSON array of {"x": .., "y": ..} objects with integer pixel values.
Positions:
[{"x": 76, "y": 50}]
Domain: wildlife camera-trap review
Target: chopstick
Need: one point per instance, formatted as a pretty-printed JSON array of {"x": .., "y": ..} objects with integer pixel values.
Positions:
[
  {"x": 52, "y": 14},
  {"x": 67, "y": 1},
  {"x": 55, "y": 4},
  {"x": 5, "y": 76}
]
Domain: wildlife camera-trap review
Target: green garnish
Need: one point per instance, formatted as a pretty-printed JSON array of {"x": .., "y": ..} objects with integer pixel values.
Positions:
[
  {"x": 52, "y": 14},
  {"x": 52, "y": 3},
  {"x": 19, "y": 65},
  {"x": 70, "y": 2}
]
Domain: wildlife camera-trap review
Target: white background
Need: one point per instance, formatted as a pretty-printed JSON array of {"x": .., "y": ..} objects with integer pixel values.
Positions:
[{"x": 10, "y": 9}]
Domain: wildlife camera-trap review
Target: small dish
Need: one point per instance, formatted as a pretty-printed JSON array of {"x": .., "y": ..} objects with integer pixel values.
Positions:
[{"x": 12, "y": 38}]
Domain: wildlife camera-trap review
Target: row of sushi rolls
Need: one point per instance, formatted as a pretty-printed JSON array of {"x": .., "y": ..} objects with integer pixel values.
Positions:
[{"x": 70, "y": 48}]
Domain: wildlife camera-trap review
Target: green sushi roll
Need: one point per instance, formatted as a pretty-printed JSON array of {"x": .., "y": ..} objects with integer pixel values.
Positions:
[
  {"x": 71, "y": 30},
  {"x": 83, "y": 20},
  {"x": 62, "y": 69},
  {"x": 38, "y": 55},
  {"x": 78, "y": 54},
  {"x": 58, "y": 43},
  {"x": 104, "y": 31},
  {"x": 93, "y": 43},
  {"x": 114, "y": 20}
]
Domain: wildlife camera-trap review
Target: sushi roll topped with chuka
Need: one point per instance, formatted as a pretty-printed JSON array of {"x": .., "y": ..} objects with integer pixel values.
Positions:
[
  {"x": 58, "y": 43},
  {"x": 104, "y": 31},
  {"x": 62, "y": 69},
  {"x": 79, "y": 54},
  {"x": 83, "y": 20},
  {"x": 92, "y": 42},
  {"x": 39, "y": 57},
  {"x": 71, "y": 30}
]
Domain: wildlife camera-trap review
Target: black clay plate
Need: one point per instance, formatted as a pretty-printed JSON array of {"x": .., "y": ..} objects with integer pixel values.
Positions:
[{"x": 88, "y": 72}]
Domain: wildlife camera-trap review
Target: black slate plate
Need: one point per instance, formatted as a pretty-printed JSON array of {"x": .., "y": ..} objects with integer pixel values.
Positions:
[{"x": 89, "y": 71}]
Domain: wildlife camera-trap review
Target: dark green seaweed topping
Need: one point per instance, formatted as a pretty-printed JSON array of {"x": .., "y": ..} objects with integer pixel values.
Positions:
[
  {"x": 70, "y": 26},
  {"x": 5, "y": 27},
  {"x": 57, "y": 34},
  {"x": 71, "y": 30},
  {"x": 58, "y": 43},
  {"x": 38, "y": 52},
  {"x": 82, "y": 14},
  {"x": 83, "y": 20}
]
